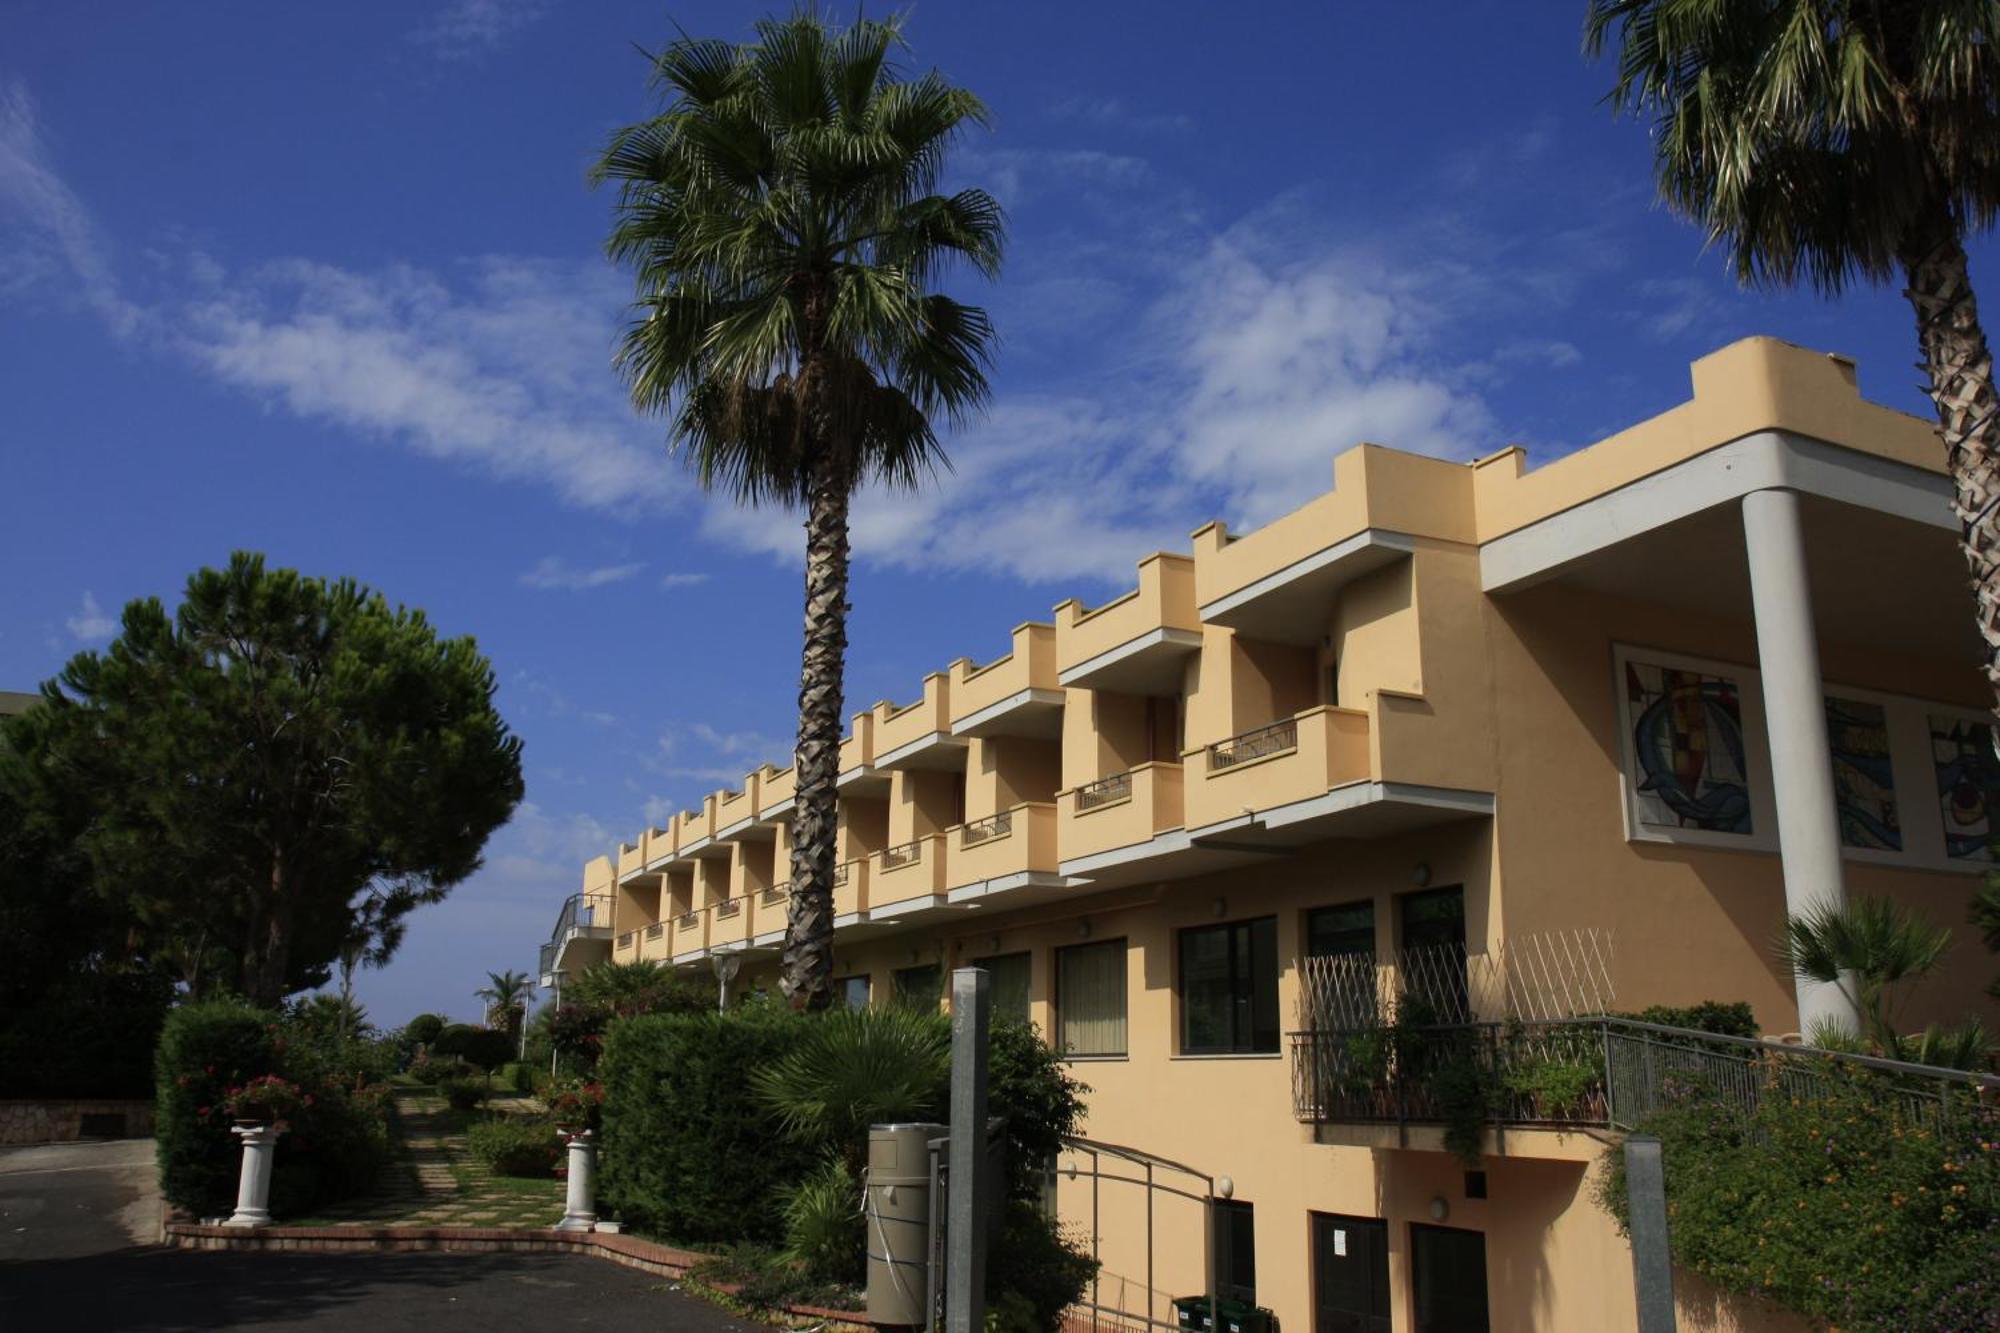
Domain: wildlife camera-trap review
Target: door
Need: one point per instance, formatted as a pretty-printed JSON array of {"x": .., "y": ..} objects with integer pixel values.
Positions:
[
  {"x": 1448, "y": 1270},
  {"x": 1433, "y": 927},
  {"x": 1350, "y": 1258}
]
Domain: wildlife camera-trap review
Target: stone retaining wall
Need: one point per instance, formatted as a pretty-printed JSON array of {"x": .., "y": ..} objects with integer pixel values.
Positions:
[{"x": 57, "y": 1121}]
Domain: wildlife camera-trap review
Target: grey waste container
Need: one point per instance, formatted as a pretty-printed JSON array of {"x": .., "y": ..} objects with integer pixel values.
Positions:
[{"x": 897, "y": 1204}]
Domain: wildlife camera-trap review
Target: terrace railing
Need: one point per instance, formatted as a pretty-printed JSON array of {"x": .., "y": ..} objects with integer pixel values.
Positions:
[
  {"x": 581, "y": 914},
  {"x": 1259, "y": 743},
  {"x": 1104, "y": 791},
  {"x": 903, "y": 854},
  {"x": 984, "y": 830}
]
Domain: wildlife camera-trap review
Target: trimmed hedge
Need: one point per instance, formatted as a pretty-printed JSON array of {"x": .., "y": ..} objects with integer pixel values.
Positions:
[
  {"x": 688, "y": 1154},
  {"x": 333, "y": 1147},
  {"x": 489, "y": 1048},
  {"x": 524, "y": 1146}
]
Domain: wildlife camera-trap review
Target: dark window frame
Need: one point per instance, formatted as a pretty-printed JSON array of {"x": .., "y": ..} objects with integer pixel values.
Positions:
[
  {"x": 1239, "y": 989},
  {"x": 1027, "y": 956},
  {"x": 1119, "y": 945}
]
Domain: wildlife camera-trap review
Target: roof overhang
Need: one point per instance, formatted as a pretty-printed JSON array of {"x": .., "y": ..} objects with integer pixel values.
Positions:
[
  {"x": 1032, "y": 712},
  {"x": 937, "y": 750},
  {"x": 1294, "y": 604},
  {"x": 1149, "y": 664}
]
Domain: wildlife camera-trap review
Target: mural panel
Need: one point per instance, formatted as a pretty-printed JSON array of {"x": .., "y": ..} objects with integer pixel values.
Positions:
[
  {"x": 1687, "y": 747},
  {"x": 1864, "y": 787},
  {"x": 1968, "y": 782}
]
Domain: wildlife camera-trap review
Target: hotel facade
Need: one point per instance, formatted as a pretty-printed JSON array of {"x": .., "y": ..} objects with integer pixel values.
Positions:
[{"x": 1584, "y": 730}]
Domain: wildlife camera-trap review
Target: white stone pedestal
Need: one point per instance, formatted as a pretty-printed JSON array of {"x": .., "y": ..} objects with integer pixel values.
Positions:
[
  {"x": 253, "y": 1188},
  {"x": 580, "y": 1203}
]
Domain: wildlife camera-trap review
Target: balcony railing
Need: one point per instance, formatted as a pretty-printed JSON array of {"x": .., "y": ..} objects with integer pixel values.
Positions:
[
  {"x": 657, "y": 929},
  {"x": 840, "y": 873},
  {"x": 776, "y": 894},
  {"x": 985, "y": 830},
  {"x": 1104, "y": 791},
  {"x": 688, "y": 921},
  {"x": 729, "y": 907},
  {"x": 1277, "y": 738},
  {"x": 581, "y": 914},
  {"x": 1598, "y": 1071},
  {"x": 908, "y": 853},
  {"x": 625, "y": 940}
]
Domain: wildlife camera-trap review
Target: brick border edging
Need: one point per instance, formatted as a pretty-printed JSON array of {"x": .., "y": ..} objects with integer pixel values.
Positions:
[{"x": 628, "y": 1251}]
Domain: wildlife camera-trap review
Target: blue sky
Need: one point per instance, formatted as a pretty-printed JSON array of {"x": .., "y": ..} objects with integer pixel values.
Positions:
[{"x": 326, "y": 282}]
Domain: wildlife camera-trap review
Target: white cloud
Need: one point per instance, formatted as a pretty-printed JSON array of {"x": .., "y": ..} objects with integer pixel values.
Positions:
[
  {"x": 467, "y": 28},
  {"x": 51, "y": 230},
  {"x": 682, "y": 580},
  {"x": 1115, "y": 114},
  {"x": 90, "y": 624},
  {"x": 552, "y": 571}
]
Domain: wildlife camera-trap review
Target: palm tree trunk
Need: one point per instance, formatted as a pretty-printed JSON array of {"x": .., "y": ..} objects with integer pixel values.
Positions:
[
  {"x": 807, "y": 976},
  {"x": 1960, "y": 372}
]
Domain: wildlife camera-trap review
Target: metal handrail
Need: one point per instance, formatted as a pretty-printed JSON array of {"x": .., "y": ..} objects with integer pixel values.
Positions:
[
  {"x": 985, "y": 830},
  {"x": 655, "y": 930},
  {"x": 840, "y": 873},
  {"x": 1104, "y": 791},
  {"x": 625, "y": 940},
  {"x": 688, "y": 920},
  {"x": 774, "y": 895},
  {"x": 1622, "y": 1071},
  {"x": 1258, "y": 743},
  {"x": 903, "y": 854},
  {"x": 729, "y": 907}
]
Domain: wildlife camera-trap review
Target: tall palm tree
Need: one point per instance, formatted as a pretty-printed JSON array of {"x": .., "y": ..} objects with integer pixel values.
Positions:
[
  {"x": 508, "y": 993},
  {"x": 781, "y": 220},
  {"x": 1835, "y": 140}
]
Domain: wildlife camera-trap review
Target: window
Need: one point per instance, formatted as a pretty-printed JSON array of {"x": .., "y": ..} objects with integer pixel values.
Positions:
[
  {"x": 1090, "y": 998},
  {"x": 1009, "y": 974},
  {"x": 851, "y": 992},
  {"x": 1235, "y": 1251},
  {"x": 1339, "y": 984},
  {"x": 920, "y": 987},
  {"x": 1229, "y": 988},
  {"x": 1433, "y": 956}
]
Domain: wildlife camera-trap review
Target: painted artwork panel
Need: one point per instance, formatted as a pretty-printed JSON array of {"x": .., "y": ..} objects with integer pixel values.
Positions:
[
  {"x": 1687, "y": 749},
  {"x": 1864, "y": 785},
  {"x": 1968, "y": 783}
]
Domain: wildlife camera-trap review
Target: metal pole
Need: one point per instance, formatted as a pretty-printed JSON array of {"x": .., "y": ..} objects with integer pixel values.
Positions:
[
  {"x": 1652, "y": 1265},
  {"x": 1150, "y": 1288},
  {"x": 965, "y": 1258}
]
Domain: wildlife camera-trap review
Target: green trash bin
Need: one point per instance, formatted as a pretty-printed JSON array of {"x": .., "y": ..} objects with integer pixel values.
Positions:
[{"x": 1196, "y": 1315}]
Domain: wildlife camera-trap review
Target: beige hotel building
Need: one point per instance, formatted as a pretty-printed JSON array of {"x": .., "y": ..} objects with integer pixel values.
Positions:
[{"x": 1589, "y": 726}]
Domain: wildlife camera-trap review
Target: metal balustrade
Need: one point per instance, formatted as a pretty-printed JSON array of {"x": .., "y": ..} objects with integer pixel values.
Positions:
[
  {"x": 987, "y": 829},
  {"x": 729, "y": 907},
  {"x": 1104, "y": 791},
  {"x": 840, "y": 873},
  {"x": 625, "y": 940},
  {"x": 657, "y": 929},
  {"x": 1260, "y": 743},
  {"x": 776, "y": 894},
  {"x": 908, "y": 853},
  {"x": 688, "y": 920},
  {"x": 1607, "y": 1072}
]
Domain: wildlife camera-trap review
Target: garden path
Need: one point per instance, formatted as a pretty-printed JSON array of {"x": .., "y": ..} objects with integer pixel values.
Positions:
[{"x": 442, "y": 1184}]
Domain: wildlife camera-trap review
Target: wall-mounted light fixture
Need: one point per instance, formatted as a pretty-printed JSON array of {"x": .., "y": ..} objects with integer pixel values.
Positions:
[
  {"x": 1421, "y": 875},
  {"x": 1440, "y": 1210},
  {"x": 1083, "y": 929}
]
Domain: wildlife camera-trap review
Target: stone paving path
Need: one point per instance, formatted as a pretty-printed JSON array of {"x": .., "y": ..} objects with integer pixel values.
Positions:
[{"x": 441, "y": 1184}]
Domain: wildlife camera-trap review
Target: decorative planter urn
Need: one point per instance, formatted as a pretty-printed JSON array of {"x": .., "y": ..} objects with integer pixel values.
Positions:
[
  {"x": 253, "y": 1186},
  {"x": 580, "y": 1203}
]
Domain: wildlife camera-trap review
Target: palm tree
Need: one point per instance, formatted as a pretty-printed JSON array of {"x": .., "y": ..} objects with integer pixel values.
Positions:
[
  {"x": 781, "y": 220},
  {"x": 1866, "y": 947},
  {"x": 854, "y": 1068},
  {"x": 1835, "y": 140},
  {"x": 506, "y": 992}
]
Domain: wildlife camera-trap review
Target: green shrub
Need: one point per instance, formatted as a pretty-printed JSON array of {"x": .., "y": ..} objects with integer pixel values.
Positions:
[
  {"x": 488, "y": 1048},
  {"x": 464, "y": 1094},
  {"x": 424, "y": 1028},
  {"x": 524, "y": 1146},
  {"x": 1035, "y": 1267},
  {"x": 763, "y": 1279},
  {"x": 1728, "y": 1020},
  {"x": 688, "y": 1154},
  {"x": 1028, "y": 1083},
  {"x": 852, "y": 1068},
  {"x": 86, "y": 1034},
  {"x": 434, "y": 1069},
  {"x": 824, "y": 1229},
  {"x": 518, "y": 1077},
  {"x": 1842, "y": 1208},
  {"x": 334, "y": 1145}
]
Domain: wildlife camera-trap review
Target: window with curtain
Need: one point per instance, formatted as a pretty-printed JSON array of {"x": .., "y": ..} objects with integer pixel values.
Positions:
[
  {"x": 1009, "y": 975},
  {"x": 1229, "y": 988},
  {"x": 851, "y": 992},
  {"x": 1090, "y": 998}
]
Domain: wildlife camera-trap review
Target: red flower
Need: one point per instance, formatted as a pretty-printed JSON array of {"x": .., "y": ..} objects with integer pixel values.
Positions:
[
  {"x": 203, "y": 1111},
  {"x": 210, "y": 1069}
]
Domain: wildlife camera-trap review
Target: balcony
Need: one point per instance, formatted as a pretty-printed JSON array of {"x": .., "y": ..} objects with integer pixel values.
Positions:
[
  {"x": 850, "y": 892},
  {"x": 1138, "y": 643},
  {"x": 857, "y": 760},
  {"x": 1010, "y": 850},
  {"x": 729, "y": 925},
  {"x": 775, "y": 793},
  {"x": 582, "y": 936},
  {"x": 1122, "y": 810},
  {"x": 697, "y": 830},
  {"x": 736, "y": 811},
  {"x": 626, "y": 942},
  {"x": 769, "y": 915},
  {"x": 1017, "y": 695},
  {"x": 918, "y": 735},
  {"x": 690, "y": 935},
  {"x": 653, "y": 945},
  {"x": 907, "y": 877},
  {"x": 1292, "y": 760}
]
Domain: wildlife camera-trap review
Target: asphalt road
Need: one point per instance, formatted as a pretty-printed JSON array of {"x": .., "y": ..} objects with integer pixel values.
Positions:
[{"x": 77, "y": 1222}]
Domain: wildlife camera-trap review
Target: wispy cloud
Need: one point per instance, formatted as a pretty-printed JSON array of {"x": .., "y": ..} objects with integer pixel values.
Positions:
[
  {"x": 1112, "y": 113},
  {"x": 91, "y": 624},
  {"x": 51, "y": 230},
  {"x": 463, "y": 29},
  {"x": 552, "y": 571},
  {"x": 682, "y": 580}
]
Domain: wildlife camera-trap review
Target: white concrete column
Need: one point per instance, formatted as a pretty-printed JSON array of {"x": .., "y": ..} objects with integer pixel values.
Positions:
[
  {"x": 253, "y": 1185},
  {"x": 580, "y": 1202},
  {"x": 1795, "y": 715}
]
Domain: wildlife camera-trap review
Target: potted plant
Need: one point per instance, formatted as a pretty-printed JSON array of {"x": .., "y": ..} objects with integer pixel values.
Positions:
[
  {"x": 265, "y": 1101},
  {"x": 576, "y": 1106}
]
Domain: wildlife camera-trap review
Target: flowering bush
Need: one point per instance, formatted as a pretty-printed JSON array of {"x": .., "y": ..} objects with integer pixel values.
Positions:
[
  {"x": 267, "y": 1098},
  {"x": 577, "y": 1104}
]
